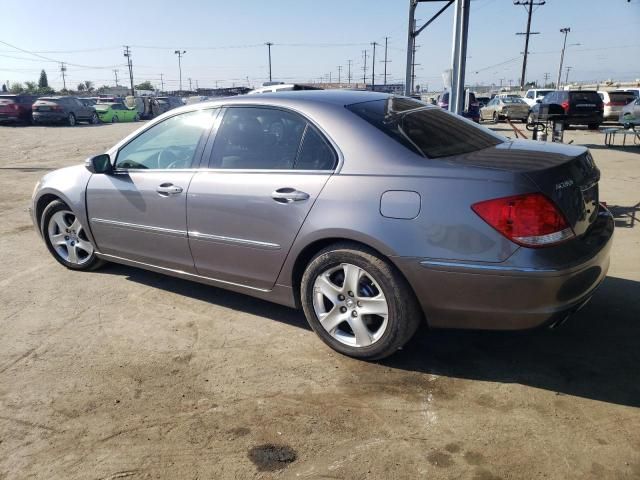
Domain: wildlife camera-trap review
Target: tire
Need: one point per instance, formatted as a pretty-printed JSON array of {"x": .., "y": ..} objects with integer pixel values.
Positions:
[
  {"x": 71, "y": 120},
  {"x": 94, "y": 119},
  {"x": 593, "y": 126},
  {"x": 57, "y": 220},
  {"x": 114, "y": 119},
  {"x": 380, "y": 288},
  {"x": 496, "y": 117}
]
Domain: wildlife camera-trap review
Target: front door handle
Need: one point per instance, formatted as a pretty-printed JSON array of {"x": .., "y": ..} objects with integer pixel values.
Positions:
[
  {"x": 289, "y": 195},
  {"x": 167, "y": 189}
]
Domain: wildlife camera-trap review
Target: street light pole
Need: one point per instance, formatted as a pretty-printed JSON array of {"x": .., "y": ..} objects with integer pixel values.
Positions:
[
  {"x": 565, "y": 30},
  {"x": 180, "y": 53}
]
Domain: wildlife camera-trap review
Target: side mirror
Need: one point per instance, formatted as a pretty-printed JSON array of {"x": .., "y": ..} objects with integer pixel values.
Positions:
[
  {"x": 539, "y": 100},
  {"x": 99, "y": 164}
]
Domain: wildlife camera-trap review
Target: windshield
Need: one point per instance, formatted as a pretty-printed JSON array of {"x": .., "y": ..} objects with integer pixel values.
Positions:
[
  {"x": 429, "y": 131},
  {"x": 512, "y": 100}
]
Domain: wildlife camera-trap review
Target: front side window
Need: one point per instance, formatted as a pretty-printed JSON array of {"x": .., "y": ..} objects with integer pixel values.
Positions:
[
  {"x": 169, "y": 144},
  {"x": 257, "y": 138}
]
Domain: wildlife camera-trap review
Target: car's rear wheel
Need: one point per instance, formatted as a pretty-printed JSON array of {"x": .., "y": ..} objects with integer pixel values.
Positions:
[
  {"x": 358, "y": 303},
  {"x": 495, "y": 117},
  {"x": 94, "y": 119},
  {"x": 66, "y": 238},
  {"x": 71, "y": 119}
]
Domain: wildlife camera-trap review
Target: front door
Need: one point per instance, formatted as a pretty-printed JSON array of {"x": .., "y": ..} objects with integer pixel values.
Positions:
[
  {"x": 267, "y": 168},
  {"x": 139, "y": 211}
]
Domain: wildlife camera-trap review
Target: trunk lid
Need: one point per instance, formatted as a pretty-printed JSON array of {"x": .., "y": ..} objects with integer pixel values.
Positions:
[{"x": 564, "y": 173}]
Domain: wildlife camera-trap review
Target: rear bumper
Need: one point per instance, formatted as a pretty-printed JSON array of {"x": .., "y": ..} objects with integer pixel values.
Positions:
[
  {"x": 532, "y": 288},
  {"x": 49, "y": 117}
]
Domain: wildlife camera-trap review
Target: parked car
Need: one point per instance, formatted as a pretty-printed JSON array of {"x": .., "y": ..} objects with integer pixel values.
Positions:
[
  {"x": 513, "y": 108},
  {"x": 371, "y": 212},
  {"x": 534, "y": 94},
  {"x": 89, "y": 102},
  {"x": 67, "y": 110},
  {"x": 168, "y": 103},
  {"x": 116, "y": 112},
  {"x": 613, "y": 103},
  {"x": 473, "y": 109},
  {"x": 630, "y": 114},
  {"x": 483, "y": 101},
  {"x": 16, "y": 108},
  {"x": 282, "y": 87},
  {"x": 572, "y": 107},
  {"x": 635, "y": 91},
  {"x": 109, "y": 99}
]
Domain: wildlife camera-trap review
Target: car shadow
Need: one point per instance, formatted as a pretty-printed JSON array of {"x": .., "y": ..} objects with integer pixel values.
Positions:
[
  {"x": 625, "y": 217},
  {"x": 595, "y": 354}
]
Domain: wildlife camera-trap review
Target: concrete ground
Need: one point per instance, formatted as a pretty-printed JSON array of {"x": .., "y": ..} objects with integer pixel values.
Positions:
[{"x": 123, "y": 373}]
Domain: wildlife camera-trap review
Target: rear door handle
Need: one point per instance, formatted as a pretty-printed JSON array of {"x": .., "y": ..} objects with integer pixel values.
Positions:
[
  {"x": 289, "y": 195},
  {"x": 167, "y": 189}
]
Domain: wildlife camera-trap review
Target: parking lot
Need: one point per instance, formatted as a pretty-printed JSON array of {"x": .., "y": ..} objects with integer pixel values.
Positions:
[{"x": 123, "y": 373}]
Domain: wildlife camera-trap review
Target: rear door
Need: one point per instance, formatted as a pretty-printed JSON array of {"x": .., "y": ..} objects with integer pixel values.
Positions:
[
  {"x": 139, "y": 211},
  {"x": 266, "y": 169},
  {"x": 584, "y": 104}
]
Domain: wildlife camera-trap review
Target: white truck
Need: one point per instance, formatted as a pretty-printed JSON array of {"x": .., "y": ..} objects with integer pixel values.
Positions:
[{"x": 535, "y": 94}]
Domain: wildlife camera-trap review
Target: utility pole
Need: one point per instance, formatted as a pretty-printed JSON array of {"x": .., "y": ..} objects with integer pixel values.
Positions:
[
  {"x": 339, "y": 73},
  {"x": 115, "y": 72},
  {"x": 364, "y": 69},
  {"x": 190, "y": 89},
  {"x": 268, "y": 44},
  {"x": 547, "y": 75},
  {"x": 385, "y": 61},
  {"x": 566, "y": 78},
  {"x": 329, "y": 78},
  {"x": 529, "y": 4},
  {"x": 373, "y": 66},
  {"x": 161, "y": 83},
  {"x": 349, "y": 71},
  {"x": 565, "y": 30},
  {"x": 180, "y": 53},
  {"x": 197, "y": 86},
  {"x": 63, "y": 69},
  {"x": 127, "y": 53}
]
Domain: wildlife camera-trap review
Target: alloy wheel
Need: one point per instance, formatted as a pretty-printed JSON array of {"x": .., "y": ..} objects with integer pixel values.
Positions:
[
  {"x": 68, "y": 238},
  {"x": 350, "y": 305}
]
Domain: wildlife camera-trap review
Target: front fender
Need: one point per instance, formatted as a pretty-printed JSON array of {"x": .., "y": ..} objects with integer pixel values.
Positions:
[{"x": 67, "y": 184}]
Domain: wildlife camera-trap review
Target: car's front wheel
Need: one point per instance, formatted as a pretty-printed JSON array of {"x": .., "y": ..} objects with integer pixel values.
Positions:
[
  {"x": 94, "y": 119},
  {"x": 66, "y": 238},
  {"x": 114, "y": 119},
  {"x": 358, "y": 303},
  {"x": 71, "y": 119}
]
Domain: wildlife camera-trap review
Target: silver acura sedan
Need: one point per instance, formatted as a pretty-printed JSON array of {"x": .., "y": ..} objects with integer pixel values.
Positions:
[{"x": 371, "y": 212}]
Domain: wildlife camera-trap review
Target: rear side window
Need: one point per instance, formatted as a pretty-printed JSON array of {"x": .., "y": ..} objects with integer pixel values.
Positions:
[
  {"x": 315, "y": 153},
  {"x": 626, "y": 97},
  {"x": 257, "y": 138},
  {"x": 428, "y": 131}
]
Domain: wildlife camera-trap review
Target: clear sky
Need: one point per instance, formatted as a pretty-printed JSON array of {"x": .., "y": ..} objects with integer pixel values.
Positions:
[{"x": 225, "y": 40}]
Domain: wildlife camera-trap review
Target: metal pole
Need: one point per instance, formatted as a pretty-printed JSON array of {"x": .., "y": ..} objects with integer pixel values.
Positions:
[
  {"x": 349, "y": 71},
  {"x": 526, "y": 45},
  {"x": 565, "y": 30},
  {"x": 62, "y": 70},
  {"x": 339, "y": 72},
  {"x": 566, "y": 78},
  {"x": 269, "y": 47},
  {"x": 364, "y": 69},
  {"x": 373, "y": 67},
  {"x": 385, "y": 59},
  {"x": 408, "y": 87},
  {"x": 459, "y": 55},
  {"x": 161, "y": 83},
  {"x": 116, "y": 74},
  {"x": 180, "y": 53}
]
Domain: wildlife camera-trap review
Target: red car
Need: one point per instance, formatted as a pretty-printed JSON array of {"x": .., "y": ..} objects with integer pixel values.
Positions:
[{"x": 16, "y": 108}]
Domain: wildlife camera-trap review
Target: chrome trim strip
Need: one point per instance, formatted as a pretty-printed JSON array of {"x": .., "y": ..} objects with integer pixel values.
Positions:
[
  {"x": 237, "y": 241},
  {"x": 136, "y": 226},
  {"x": 181, "y": 273},
  {"x": 476, "y": 266}
]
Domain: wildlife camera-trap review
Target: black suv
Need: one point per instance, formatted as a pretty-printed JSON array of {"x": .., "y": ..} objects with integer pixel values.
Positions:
[{"x": 572, "y": 107}]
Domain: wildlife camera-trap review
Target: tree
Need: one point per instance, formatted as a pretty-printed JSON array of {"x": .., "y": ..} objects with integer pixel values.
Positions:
[
  {"x": 4, "y": 87},
  {"x": 81, "y": 87},
  {"x": 31, "y": 87},
  {"x": 88, "y": 85},
  {"x": 16, "y": 88},
  {"x": 145, "y": 86},
  {"x": 43, "y": 82}
]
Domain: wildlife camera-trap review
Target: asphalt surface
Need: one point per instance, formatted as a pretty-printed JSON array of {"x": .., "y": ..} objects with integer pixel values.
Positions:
[{"x": 123, "y": 373}]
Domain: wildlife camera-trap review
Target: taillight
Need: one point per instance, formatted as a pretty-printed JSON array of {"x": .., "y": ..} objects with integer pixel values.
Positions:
[
  {"x": 530, "y": 220},
  {"x": 565, "y": 106}
]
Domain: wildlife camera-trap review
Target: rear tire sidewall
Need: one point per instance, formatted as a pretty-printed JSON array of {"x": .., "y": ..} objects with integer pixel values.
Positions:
[
  {"x": 404, "y": 313},
  {"x": 496, "y": 117},
  {"x": 71, "y": 120},
  {"x": 94, "y": 119},
  {"x": 54, "y": 207},
  {"x": 114, "y": 119}
]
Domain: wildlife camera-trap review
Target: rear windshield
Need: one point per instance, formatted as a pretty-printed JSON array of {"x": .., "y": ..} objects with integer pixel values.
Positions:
[
  {"x": 512, "y": 100},
  {"x": 428, "y": 131},
  {"x": 592, "y": 97},
  {"x": 625, "y": 97}
]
